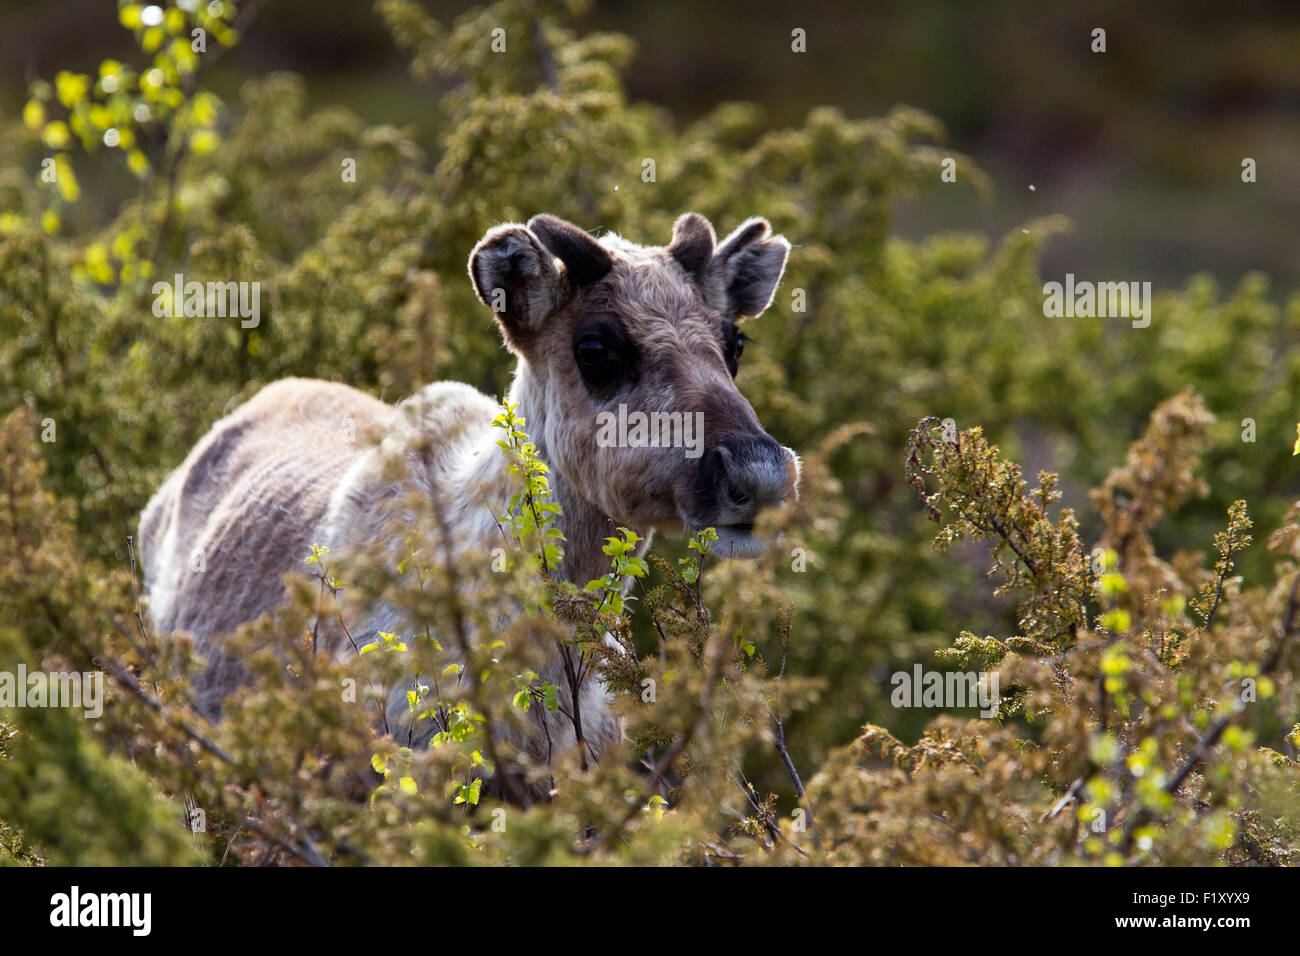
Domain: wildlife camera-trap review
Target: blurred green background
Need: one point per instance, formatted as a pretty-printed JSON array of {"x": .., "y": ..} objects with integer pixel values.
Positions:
[{"x": 1141, "y": 146}]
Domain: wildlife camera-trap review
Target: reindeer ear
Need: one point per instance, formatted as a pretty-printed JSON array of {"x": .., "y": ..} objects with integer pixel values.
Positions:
[
  {"x": 692, "y": 245},
  {"x": 516, "y": 278},
  {"x": 585, "y": 260},
  {"x": 746, "y": 269}
]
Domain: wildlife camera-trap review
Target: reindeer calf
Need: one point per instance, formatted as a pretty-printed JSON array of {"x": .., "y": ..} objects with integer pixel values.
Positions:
[{"x": 598, "y": 327}]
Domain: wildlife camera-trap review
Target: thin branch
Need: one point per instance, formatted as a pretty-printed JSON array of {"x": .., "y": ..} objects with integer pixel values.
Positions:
[{"x": 1207, "y": 743}]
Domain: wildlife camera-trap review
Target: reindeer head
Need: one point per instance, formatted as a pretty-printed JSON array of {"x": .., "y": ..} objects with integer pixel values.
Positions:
[{"x": 627, "y": 356}]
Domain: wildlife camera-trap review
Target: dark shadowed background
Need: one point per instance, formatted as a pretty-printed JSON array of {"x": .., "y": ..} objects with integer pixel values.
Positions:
[{"x": 1141, "y": 146}]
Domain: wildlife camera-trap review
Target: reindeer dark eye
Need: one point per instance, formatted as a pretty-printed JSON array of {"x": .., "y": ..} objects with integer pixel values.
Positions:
[
  {"x": 591, "y": 352},
  {"x": 733, "y": 347},
  {"x": 605, "y": 356}
]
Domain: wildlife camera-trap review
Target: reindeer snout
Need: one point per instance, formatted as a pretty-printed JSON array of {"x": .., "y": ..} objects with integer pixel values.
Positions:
[{"x": 747, "y": 472}]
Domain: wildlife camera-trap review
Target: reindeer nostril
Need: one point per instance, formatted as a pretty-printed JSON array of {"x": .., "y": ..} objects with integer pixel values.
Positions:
[
  {"x": 739, "y": 477},
  {"x": 750, "y": 473}
]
